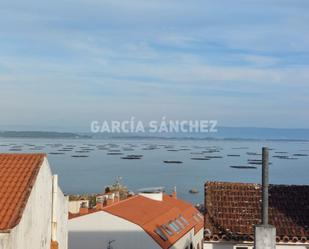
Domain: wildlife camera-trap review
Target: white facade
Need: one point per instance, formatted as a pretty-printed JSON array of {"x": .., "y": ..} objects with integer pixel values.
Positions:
[
  {"x": 61, "y": 218},
  {"x": 153, "y": 196},
  {"x": 230, "y": 245},
  {"x": 74, "y": 206},
  {"x": 189, "y": 238},
  {"x": 34, "y": 228},
  {"x": 94, "y": 231}
]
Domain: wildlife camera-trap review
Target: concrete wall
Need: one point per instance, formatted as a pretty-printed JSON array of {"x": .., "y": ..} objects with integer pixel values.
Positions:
[
  {"x": 226, "y": 245},
  {"x": 62, "y": 220},
  {"x": 94, "y": 231},
  {"x": 34, "y": 229}
]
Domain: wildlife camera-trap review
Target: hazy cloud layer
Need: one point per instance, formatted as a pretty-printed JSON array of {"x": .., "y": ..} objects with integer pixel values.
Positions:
[{"x": 65, "y": 63}]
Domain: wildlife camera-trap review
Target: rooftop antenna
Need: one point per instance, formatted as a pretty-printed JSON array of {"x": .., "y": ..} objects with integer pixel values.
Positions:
[
  {"x": 110, "y": 244},
  {"x": 118, "y": 182}
]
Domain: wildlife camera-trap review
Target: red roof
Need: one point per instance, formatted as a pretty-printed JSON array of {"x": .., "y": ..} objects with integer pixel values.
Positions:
[
  {"x": 17, "y": 176},
  {"x": 232, "y": 210},
  {"x": 150, "y": 215}
]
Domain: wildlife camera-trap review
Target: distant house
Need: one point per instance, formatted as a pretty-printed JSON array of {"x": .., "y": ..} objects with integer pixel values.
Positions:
[
  {"x": 80, "y": 204},
  {"x": 75, "y": 206},
  {"x": 106, "y": 199},
  {"x": 144, "y": 221},
  {"x": 33, "y": 210},
  {"x": 232, "y": 210}
]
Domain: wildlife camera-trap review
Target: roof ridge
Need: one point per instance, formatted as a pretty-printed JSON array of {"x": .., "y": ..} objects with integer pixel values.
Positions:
[
  {"x": 121, "y": 201},
  {"x": 103, "y": 209},
  {"x": 208, "y": 183},
  {"x": 22, "y": 154}
]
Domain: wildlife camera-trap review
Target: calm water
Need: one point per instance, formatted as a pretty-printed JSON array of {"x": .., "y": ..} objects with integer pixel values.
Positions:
[{"x": 91, "y": 174}]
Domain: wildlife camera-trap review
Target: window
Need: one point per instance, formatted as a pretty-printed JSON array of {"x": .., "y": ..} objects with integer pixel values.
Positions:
[
  {"x": 161, "y": 234},
  {"x": 169, "y": 232},
  {"x": 84, "y": 204},
  {"x": 174, "y": 226},
  {"x": 179, "y": 223},
  {"x": 241, "y": 247},
  {"x": 183, "y": 220}
]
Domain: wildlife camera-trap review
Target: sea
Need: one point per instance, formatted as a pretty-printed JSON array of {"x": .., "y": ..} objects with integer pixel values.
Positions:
[{"x": 102, "y": 162}]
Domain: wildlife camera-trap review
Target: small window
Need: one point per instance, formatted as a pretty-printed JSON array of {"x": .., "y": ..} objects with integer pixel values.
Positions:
[
  {"x": 241, "y": 247},
  {"x": 183, "y": 220},
  {"x": 179, "y": 223},
  {"x": 169, "y": 232},
  {"x": 84, "y": 204},
  {"x": 161, "y": 234},
  {"x": 174, "y": 226}
]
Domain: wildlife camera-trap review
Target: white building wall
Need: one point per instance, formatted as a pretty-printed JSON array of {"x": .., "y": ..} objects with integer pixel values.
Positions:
[
  {"x": 4, "y": 240},
  {"x": 34, "y": 228},
  {"x": 62, "y": 220},
  {"x": 153, "y": 196},
  {"x": 94, "y": 231},
  {"x": 227, "y": 245},
  {"x": 74, "y": 206},
  {"x": 186, "y": 240}
]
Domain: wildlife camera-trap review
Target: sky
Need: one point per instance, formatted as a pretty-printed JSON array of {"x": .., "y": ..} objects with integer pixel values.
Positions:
[{"x": 66, "y": 63}]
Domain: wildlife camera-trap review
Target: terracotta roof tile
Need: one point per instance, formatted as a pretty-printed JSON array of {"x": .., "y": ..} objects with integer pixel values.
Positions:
[
  {"x": 232, "y": 209},
  {"x": 17, "y": 176},
  {"x": 150, "y": 214}
]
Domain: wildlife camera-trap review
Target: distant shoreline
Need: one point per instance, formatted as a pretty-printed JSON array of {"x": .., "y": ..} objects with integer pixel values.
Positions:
[
  {"x": 42, "y": 134},
  {"x": 77, "y": 136}
]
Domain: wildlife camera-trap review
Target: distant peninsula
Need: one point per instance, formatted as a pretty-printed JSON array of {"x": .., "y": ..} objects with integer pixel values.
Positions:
[{"x": 41, "y": 134}]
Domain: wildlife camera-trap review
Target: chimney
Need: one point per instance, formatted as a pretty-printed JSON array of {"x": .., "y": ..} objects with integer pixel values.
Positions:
[
  {"x": 99, "y": 202},
  {"x": 174, "y": 194},
  {"x": 109, "y": 201},
  {"x": 99, "y": 206},
  {"x": 264, "y": 234}
]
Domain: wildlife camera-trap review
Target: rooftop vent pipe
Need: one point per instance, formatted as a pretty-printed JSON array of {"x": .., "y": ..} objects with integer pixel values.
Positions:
[{"x": 265, "y": 183}]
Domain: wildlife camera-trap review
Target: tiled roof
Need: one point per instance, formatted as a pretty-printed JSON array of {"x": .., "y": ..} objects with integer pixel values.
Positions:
[
  {"x": 150, "y": 215},
  {"x": 17, "y": 176},
  {"x": 232, "y": 209}
]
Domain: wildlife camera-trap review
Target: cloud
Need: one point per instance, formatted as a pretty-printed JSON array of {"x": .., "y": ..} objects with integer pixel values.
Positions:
[{"x": 115, "y": 58}]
